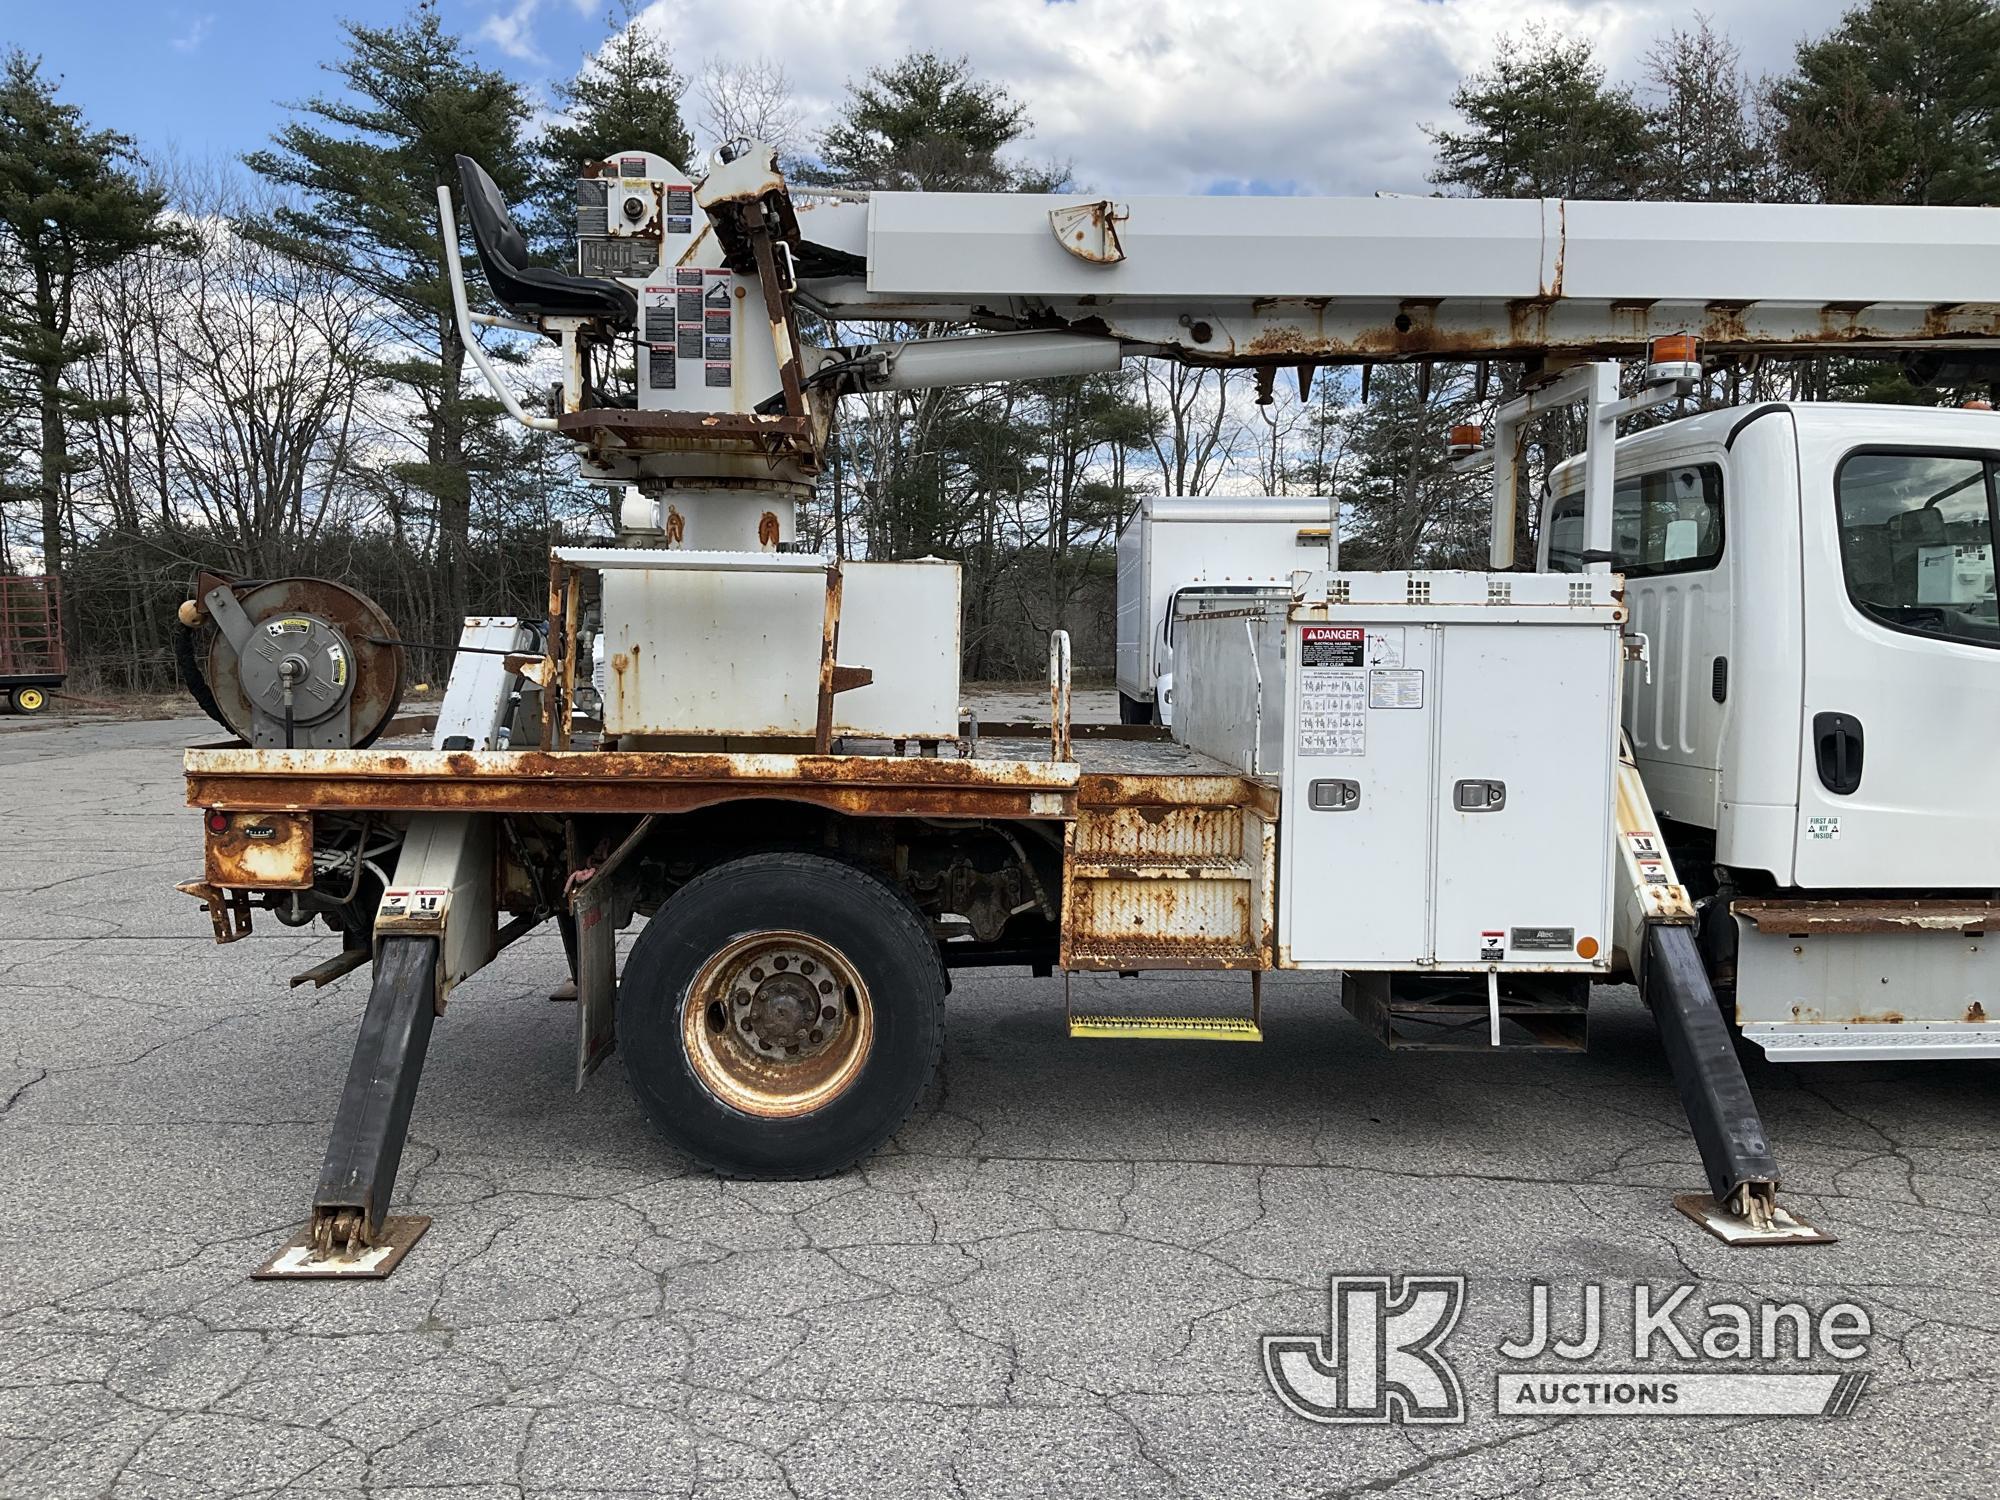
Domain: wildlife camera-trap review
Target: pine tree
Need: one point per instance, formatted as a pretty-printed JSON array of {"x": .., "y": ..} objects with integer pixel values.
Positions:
[
  {"x": 1542, "y": 122},
  {"x": 365, "y": 167},
  {"x": 627, "y": 96},
  {"x": 924, "y": 122},
  {"x": 72, "y": 206},
  {"x": 1899, "y": 103}
]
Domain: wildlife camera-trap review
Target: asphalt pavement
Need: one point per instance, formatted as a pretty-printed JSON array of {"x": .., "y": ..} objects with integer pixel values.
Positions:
[{"x": 1056, "y": 1281}]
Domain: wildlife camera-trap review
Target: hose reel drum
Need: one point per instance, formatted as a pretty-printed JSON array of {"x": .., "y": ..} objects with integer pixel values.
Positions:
[{"x": 300, "y": 663}]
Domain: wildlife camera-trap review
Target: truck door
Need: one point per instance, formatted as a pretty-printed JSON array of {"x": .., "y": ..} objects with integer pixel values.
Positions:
[{"x": 1901, "y": 709}]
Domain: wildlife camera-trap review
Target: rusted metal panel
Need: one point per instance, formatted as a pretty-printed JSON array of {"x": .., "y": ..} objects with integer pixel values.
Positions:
[
  {"x": 1162, "y": 835},
  {"x": 1151, "y": 883},
  {"x": 262, "y": 851},
  {"x": 1796, "y": 917},
  {"x": 1113, "y": 789},
  {"x": 622, "y": 781}
]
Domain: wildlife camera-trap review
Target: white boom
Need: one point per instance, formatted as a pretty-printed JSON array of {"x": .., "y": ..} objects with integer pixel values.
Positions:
[{"x": 1343, "y": 279}]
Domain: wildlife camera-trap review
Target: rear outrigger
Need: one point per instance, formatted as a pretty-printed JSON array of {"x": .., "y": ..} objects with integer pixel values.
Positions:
[{"x": 1414, "y": 779}]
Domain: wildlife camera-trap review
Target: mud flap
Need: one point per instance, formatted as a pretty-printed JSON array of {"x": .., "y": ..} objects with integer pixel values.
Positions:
[{"x": 1742, "y": 1172}]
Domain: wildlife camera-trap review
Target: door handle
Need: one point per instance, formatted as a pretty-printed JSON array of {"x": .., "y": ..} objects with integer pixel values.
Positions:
[
  {"x": 1479, "y": 795},
  {"x": 1333, "y": 795},
  {"x": 1837, "y": 747}
]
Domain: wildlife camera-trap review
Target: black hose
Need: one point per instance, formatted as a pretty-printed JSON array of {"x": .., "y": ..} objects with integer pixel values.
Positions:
[{"x": 189, "y": 664}]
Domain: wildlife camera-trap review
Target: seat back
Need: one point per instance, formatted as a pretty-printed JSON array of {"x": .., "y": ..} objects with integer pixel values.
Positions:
[
  {"x": 501, "y": 245},
  {"x": 524, "y": 289}
]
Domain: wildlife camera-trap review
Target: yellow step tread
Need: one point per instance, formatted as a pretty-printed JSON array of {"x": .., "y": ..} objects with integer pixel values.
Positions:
[{"x": 1168, "y": 1028}]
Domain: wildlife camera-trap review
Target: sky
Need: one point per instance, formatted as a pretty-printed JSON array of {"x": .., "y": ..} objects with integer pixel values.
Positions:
[{"x": 1138, "y": 96}]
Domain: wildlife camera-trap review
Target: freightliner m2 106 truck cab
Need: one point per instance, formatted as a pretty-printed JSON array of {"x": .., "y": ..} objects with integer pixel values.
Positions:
[{"x": 1817, "y": 720}]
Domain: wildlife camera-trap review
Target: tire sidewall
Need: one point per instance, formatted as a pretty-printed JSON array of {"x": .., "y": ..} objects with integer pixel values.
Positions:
[{"x": 872, "y": 927}]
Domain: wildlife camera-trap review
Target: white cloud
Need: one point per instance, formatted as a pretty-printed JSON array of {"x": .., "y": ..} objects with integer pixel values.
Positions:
[
  {"x": 196, "y": 33},
  {"x": 513, "y": 31},
  {"x": 1176, "y": 96}
]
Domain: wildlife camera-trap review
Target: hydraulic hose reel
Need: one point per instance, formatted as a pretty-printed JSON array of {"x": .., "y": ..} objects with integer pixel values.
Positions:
[{"x": 294, "y": 663}]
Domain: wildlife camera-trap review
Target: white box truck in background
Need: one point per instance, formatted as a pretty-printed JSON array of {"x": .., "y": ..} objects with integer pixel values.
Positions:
[{"x": 1217, "y": 544}]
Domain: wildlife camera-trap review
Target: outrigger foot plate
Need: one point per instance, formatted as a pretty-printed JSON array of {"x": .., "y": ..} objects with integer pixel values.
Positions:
[
  {"x": 1775, "y": 1227},
  {"x": 301, "y": 1260}
]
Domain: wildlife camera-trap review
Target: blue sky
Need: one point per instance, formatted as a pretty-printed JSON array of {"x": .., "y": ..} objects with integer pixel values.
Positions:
[
  {"x": 209, "y": 76},
  {"x": 1177, "y": 96}
]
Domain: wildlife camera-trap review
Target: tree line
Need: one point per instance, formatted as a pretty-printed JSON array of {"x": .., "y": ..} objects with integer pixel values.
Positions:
[{"x": 253, "y": 366}]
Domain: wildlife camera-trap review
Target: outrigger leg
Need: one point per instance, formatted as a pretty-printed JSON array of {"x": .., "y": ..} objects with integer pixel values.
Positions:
[
  {"x": 1741, "y": 1205},
  {"x": 434, "y": 927},
  {"x": 1655, "y": 924},
  {"x": 352, "y": 1232}
]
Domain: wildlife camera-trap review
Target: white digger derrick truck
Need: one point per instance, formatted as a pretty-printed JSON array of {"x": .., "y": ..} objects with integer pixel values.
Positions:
[{"x": 782, "y": 784}]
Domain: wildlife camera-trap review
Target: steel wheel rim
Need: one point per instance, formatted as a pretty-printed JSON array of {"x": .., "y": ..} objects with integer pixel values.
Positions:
[
  {"x": 756, "y": 1030},
  {"x": 28, "y": 699}
]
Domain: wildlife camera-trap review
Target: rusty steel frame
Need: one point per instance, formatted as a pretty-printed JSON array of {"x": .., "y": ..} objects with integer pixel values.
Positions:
[
  {"x": 622, "y": 781},
  {"x": 1803, "y": 918}
]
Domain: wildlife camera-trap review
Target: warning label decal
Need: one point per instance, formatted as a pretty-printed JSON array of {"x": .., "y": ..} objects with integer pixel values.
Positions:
[
  {"x": 1398, "y": 688},
  {"x": 1333, "y": 711},
  {"x": 1332, "y": 645}
]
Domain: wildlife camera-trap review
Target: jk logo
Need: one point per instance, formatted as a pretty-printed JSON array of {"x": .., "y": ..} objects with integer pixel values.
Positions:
[{"x": 1379, "y": 1361}]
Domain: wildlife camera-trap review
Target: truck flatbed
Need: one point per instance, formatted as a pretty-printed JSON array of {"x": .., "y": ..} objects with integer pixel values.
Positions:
[{"x": 1004, "y": 778}]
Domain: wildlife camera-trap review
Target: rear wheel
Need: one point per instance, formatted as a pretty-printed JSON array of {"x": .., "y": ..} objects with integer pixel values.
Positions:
[
  {"x": 30, "y": 700},
  {"x": 1133, "y": 710},
  {"x": 782, "y": 1015}
]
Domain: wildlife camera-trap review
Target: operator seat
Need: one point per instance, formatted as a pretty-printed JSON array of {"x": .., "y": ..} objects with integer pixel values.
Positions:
[{"x": 532, "y": 291}]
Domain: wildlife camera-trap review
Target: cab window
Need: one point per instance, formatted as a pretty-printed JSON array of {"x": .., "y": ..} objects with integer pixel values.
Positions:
[
  {"x": 1669, "y": 521},
  {"x": 1917, "y": 541}
]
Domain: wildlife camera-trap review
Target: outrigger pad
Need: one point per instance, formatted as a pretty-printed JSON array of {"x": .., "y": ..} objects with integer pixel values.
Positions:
[
  {"x": 297, "y": 1260},
  {"x": 1733, "y": 1229}
]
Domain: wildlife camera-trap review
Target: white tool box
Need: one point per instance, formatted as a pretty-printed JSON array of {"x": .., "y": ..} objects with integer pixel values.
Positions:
[{"x": 1450, "y": 746}]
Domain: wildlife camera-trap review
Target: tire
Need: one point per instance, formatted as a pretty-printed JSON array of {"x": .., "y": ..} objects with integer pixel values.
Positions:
[
  {"x": 701, "y": 1069},
  {"x": 29, "y": 700},
  {"x": 1133, "y": 711}
]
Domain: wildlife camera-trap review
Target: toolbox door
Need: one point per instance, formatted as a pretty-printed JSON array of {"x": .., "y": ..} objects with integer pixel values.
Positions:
[{"x": 1527, "y": 720}]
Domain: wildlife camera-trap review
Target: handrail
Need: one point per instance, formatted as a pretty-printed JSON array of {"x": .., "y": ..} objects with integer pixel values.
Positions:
[
  {"x": 1257, "y": 702},
  {"x": 1059, "y": 736}
]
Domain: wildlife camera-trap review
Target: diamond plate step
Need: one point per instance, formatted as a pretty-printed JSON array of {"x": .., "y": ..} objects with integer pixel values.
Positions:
[{"x": 1168, "y": 1028}]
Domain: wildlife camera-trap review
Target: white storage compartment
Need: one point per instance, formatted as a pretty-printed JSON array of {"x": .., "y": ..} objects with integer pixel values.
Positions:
[
  {"x": 730, "y": 653},
  {"x": 1450, "y": 741}
]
